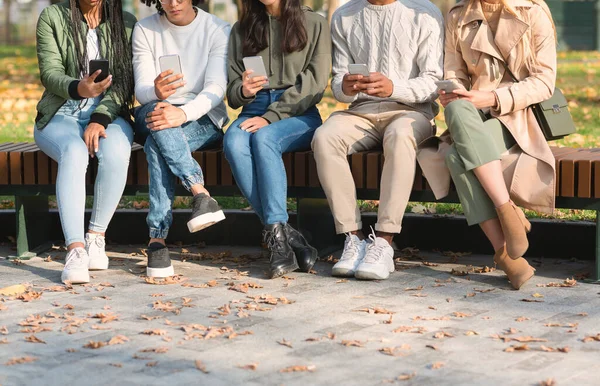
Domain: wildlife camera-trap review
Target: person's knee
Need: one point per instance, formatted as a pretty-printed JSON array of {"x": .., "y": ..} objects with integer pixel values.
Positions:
[
  {"x": 453, "y": 160},
  {"x": 234, "y": 142},
  {"x": 115, "y": 151},
  {"x": 457, "y": 108},
  {"x": 75, "y": 153},
  {"x": 264, "y": 139},
  {"x": 398, "y": 136},
  {"x": 326, "y": 140}
]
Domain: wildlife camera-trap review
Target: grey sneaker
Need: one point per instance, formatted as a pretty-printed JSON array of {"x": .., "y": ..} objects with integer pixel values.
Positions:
[
  {"x": 205, "y": 212},
  {"x": 159, "y": 262}
]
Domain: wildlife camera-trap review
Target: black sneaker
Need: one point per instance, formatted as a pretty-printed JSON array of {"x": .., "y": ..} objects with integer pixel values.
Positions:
[
  {"x": 205, "y": 212},
  {"x": 159, "y": 262}
]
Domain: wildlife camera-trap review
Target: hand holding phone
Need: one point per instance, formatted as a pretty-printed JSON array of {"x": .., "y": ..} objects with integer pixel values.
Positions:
[
  {"x": 169, "y": 79},
  {"x": 97, "y": 81},
  {"x": 446, "y": 86},
  {"x": 358, "y": 69},
  {"x": 255, "y": 77}
]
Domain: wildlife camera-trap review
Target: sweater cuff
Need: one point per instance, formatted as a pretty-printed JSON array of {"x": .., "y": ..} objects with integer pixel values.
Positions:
[
  {"x": 243, "y": 100},
  {"x": 505, "y": 102},
  {"x": 101, "y": 119},
  {"x": 190, "y": 112},
  {"x": 271, "y": 116},
  {"x": 73, "y": 93}
]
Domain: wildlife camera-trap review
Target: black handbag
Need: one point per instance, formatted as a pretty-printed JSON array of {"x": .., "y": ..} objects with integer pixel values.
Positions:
[{"x": 552, "y": 115}]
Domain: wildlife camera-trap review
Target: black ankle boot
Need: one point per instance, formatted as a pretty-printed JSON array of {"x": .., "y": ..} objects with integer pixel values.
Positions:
[
  {"x": 281, "y": 254},
  {"x": 306, "y": 255}
]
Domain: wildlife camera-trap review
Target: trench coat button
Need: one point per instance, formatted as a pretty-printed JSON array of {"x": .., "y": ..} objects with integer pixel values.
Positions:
[{"x": 473, "y": 61}]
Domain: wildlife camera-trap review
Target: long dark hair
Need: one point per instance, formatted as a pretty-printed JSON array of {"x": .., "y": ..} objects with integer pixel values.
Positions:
[
  {"x": 119, "y": 57},
  {"x": 255, "y": 26},
  {"x": 159, "y": 8}
]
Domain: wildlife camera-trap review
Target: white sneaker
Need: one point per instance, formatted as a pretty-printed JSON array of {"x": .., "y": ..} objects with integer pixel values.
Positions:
[
  {"x": 94, "y": 246},
  {"x": 378, "y": 262},
  {"x": 354, "y": 252},
  {"x": 76, "y": 267}
]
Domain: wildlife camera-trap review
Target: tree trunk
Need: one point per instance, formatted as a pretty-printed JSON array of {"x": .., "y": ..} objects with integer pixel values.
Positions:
[
  {"x": 7, "y": 25},
  {"x": 331, "y": 7}
]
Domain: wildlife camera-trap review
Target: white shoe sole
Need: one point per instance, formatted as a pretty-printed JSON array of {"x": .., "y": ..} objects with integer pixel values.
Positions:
[
  {"x": 98, "y": 264},
  {"x": 160, "y": 272},
  {"x": 75, "y": 277},
  {"x": 342, "y": 272},
  {"x": 204, "y": 221},
  {"x": 367, "y": 275}
]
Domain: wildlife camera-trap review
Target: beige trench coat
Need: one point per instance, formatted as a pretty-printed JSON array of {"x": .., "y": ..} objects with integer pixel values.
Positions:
[{"x": 473, "y": 59}]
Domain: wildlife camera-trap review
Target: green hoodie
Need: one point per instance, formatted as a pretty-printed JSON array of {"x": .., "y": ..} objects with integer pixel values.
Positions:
[
  {"x": 59, "y": 71},
  {"x": 304, "y": 73}
]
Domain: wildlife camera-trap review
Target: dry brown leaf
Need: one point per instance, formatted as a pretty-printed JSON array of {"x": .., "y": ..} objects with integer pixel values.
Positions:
[
  {"x": 431, "y": 346},
  {"x": 470, "y": 295},
  {"x": 405, "y": 377},
  {"x": 566, "y": 283},
  {"x": 437, "y": 365},
  {"x": 355, "y": 343},
  {"x": 29, "y": 296},
  {"x": 200, "y": 366},
  {"x": 483, "y": 290},
  {"x": 116, "y": 365},
  {"x": 98, "y": 327},
  {"x": 471, "y": 333},
  {"x": 528, "y": 339},
  {"x": 342, "y": 281},
  {"x": 548, "y": 382},
  {"x": 537, "y": 295},
  {"x": 513, "y": 348},
  {"x": 251, "y": 366},
  {"x": 376, "y": 310},
  {"x": 461, "y": 314},
  {"x": 157, "y": 295},
  {"x": 395, "y": 351},
  {"x": 145, "y": 317},
  {"x": 564, "y": 350},
  {"x": 389, "y": 321},
  {"x": 13, "y": 290},
  {"x": 419, "y": 288},
  {"x": 117, "y": 339},
  {"x": 522, "y": 319},
  {"x": 106, "y": 318},
  {"x": 443, "y": 334},
  {"x": 582, "y": 314},
  {"x": 591, "y": 338},
  {"x": 284, "y": 342},
  {"x": 156, "y": 350},
  {"x": 293, "y": 369},
  {"x": 419, "y": 295},
  {"x": 3, "y": 330},
  {"x": 155, "y": 331},
  {"x": 33, "y": 339},
  {"x": 94, "y": 344},
  {"x": 418, "y": 329},
  {"x": 151, "y": 364},
  {"x": 175, "y": 279},
  {"x": 458, "y": 273},
  {"x": 428, "y": 264},
  {"x": 532, "y": 300},
  {"x": 18, "y": 361}
]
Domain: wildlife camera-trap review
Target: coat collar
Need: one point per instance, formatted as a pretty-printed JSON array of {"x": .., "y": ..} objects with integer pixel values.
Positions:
[{"x": 511, "y": 29}]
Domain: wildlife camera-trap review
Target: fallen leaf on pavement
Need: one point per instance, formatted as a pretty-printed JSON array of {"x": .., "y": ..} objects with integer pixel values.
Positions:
[
  {"x": 548, "y": 382},
  {"x": 566, "y": 283},
  {"x": 293, "y": 369},
  {"x": 431, "y": 346},
  {"x": 557, "y": 349},
  {"x": 157, "y": 350},
  {"x": 116, "y": 364},
  {"x": 395, "y": 351},
  {"x": 513, "y": 348},
  {"x": 94, "y": 344},
  {"x": 376, "y": 310},
  {"x": 33, "y": 339},
  {"x": 461, "y": 314},
  {"x": 437, "y": 365},
  {"x": 532, "y": 300},
  {"x": 18, "y": 361},
  {"x": 29, "y": 296},
  {"x": 522, "y": 319},
  {"x": 13, "y": 290},
  {"x": 471, "y": 333},
  {"x": 106, "y": 318},
  {"x": 145, "y": 317},
  {"x": 355, "y": 343},
  {"x": 200, "y": 366},
  {"x": 251, "y": 366},
  {"x": 342, "y": 281},
  {"x": 443, "y": 334},
  {"x": 155, "y": 331},
  {"x": 284, "y": 342},
  {"x": 419, "y": 288},
  {"x": 151, "y": 364},
  {"x": 591, "y": 338},
  {"x": 117, "y": 339}
]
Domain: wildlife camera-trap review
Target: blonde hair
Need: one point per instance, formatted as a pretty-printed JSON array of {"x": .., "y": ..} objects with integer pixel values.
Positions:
[{"x": 525, "y": 47}]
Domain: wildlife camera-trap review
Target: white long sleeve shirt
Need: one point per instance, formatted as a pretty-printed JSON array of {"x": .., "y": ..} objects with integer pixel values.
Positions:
[
  {"x": 403, "y": 40},
  {"x": 202, "y": 49}
]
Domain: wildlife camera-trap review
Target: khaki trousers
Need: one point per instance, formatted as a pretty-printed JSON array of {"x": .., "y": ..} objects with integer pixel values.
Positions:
[{"x": 371, "y": 125}]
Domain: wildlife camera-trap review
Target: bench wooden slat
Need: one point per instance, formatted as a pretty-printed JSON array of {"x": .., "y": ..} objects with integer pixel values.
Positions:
[
  {"x": 300, "y": 169},
  {"x": 358, "y": 170},
  {"x": 226, "y": 174},
  {"x": 43, "y": 168},
  {"x": 565, "y": 178},
  {"x": 372, "y": 171},
  {"x": 212, "y": 169},
  {"x": 568, "y": 171},
  {"x": 16, "y": 176},
  {"x": 29, "y": 169},
  {"x": 4, "y": 146},
  {"x": 4, "y": 168}
]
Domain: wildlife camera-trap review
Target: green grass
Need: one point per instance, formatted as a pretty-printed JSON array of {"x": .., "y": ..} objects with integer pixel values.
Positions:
[{"x": 578, "y": 77}]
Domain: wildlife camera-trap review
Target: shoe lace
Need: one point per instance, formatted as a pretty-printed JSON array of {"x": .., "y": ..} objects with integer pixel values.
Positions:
[
  {"x": 271, "y": 241},
  {"x": 374, "y": 250},
  {"x": 75, "y": 259},
  {"x": 350, "y": 249}
]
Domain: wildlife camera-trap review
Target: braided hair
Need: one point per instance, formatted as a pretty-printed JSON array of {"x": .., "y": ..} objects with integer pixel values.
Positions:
[
  {"x": 159, "y": 7},
  {"x": 120, "y": 56}
]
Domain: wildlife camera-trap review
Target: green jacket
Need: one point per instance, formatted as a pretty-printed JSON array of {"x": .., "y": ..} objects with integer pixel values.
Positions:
[
  {"x": 59, "y": 71},
  {"x": 304, "y": 73}
]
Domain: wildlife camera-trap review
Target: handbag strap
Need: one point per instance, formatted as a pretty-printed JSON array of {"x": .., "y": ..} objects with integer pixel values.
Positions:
[{"x": 510, "y": 72}]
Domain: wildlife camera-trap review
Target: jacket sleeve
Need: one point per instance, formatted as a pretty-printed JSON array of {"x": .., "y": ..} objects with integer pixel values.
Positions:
[
  {"x": 341, "y": 58},
  {"x": 110, "y": 106},
  {"x": 310, "y": 83},
  {"x": 52, "y": 69},
  {"x": 144, "y": 71},
  {"x": 539, "y": 85},
  {"x": 455, "y": 68},
  {"x": 235, "y": 69},
  {"x": 215, "y": 79},
  {"x": 429, "y": 60}
]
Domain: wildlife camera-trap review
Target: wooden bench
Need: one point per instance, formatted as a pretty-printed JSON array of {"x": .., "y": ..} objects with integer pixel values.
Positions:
[{"x": 30, "y": 176}]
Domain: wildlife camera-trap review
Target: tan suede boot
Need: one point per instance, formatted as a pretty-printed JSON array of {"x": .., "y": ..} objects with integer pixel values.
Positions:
[
  {"x": 515, "y": 227},
  {"x": 518, "y": 271}
]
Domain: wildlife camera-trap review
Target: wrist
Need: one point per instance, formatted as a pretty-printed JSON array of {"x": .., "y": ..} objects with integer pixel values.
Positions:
[{"x": 495, "y": 101}]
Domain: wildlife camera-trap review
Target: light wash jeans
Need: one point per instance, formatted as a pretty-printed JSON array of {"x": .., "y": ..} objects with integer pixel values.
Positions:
[
  {"x": 169, "y": 155},
  {"x": 62, "y": 140},
  {"x": 255, "y": 158}
]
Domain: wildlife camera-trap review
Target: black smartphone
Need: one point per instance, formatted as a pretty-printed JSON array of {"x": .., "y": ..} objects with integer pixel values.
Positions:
[{"x": 99, "y": 64}]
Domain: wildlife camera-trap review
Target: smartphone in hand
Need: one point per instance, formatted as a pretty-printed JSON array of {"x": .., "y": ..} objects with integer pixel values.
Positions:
[
  {"x": 170, "y": 62},
  {"x": 99, "y": 64},
  {"x": 358, "y": 69},
  {"x": 257, "y": 65},
  {"x": 446, "y": 85}
]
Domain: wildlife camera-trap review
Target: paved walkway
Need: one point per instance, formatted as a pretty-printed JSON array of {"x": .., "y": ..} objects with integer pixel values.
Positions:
[{"x": 222, "y": 322}]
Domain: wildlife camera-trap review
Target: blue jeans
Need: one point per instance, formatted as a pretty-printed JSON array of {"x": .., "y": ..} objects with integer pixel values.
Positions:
[
  {"x": 255, "y": 158},
  {"x": 169, "y": 155},
  {"x": 62, "y": 140}
]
